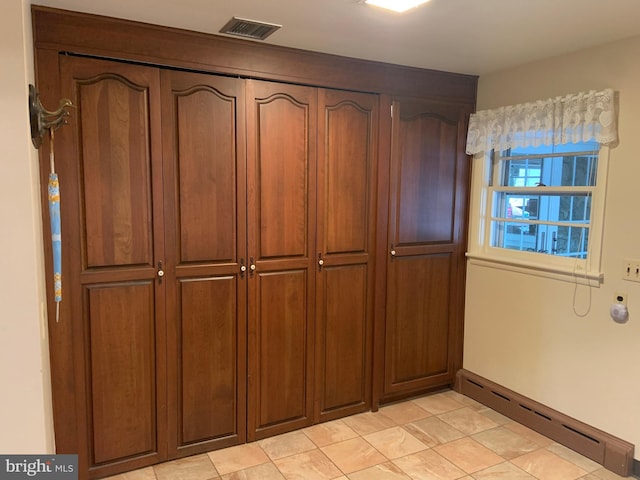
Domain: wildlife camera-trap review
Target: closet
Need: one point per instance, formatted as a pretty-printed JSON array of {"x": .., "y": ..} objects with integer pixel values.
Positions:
[
  {"x": 226, "y": 256},
  {"x": 255, "y": 239}
]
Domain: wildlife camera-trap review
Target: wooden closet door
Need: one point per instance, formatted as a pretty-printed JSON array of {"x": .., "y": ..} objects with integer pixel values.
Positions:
[
  {"x": 205, "y": 201},
  {"x": 281, "y": 154},
  {"x": 108, "y": 349},
  {"x": 347, "y": 155},
  {"x": 425, "y": 279}
]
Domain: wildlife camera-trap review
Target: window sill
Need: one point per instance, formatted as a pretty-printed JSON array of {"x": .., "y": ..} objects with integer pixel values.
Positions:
[{"x": 594, "y": 279}]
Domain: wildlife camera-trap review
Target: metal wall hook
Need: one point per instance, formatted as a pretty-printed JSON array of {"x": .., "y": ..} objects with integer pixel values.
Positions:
[{"x": 42, "y": 119}]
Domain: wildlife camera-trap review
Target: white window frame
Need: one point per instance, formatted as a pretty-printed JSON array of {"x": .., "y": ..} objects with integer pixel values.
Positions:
[{"x": 584, "y": 271}]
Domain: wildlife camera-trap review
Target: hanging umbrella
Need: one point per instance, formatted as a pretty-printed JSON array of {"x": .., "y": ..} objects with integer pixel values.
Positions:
[
  {"x": 42, "y": 120},
  {"x": 56, "y": 238}
]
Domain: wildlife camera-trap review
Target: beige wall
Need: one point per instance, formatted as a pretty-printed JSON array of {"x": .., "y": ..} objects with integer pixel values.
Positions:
[
  {"x": 25, "y": 404},
  {"x": 521, "y": 331}
]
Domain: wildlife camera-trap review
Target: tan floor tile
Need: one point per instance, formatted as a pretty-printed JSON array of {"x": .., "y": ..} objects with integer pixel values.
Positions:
[
  {"x": 311, "y": 465},
  {"x": 438, "y": 403},
  {"x": 384, "y": 471},
  {"x": 395, "y": 442},
  {"x": 141, "y": 474},
  {"x": 237, "y": 458},
  {"x": 494, "y": 416},
  {"x": 432, "y": 431},
  {"x": 529, "y": 434},
  {"x": 545, "y": 465},
  {"x": 603, "y": 474},
  {"x": 428, "y": 465},
  {"x": 502, "y": 471},
  {"x": 463, "y": 399},
  {"x": 574, "y": 457},
  {"x": 198, "y": 467},
  {"x": 469, "y": 455},
  {"x": 286, "y": 444},
  {"x": 404, "y": 412},
  {"x": 353, "y": 455},
  {"x": 267, "y": 471},
  {"x": 330, "y": 432},
  {"x": 506, "y": 443},
  {"x": 146, "y": 473},
  {"x": 369, "y": 422},
  {"x": 467, "y": 420}
]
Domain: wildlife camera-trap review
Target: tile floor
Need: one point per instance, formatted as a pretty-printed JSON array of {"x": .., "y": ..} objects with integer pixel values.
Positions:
[{"x": 444, "y": 436}]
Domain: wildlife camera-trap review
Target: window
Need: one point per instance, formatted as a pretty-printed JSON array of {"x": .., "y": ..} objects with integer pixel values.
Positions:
[
  {"x": 543, "y": 206},
  {"x": 542, "y": 199},
  {"x": 539, "y": 182}
]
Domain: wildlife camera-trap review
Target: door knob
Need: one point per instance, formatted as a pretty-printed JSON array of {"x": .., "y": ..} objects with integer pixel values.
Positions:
[{"x": 160, "y": 272}]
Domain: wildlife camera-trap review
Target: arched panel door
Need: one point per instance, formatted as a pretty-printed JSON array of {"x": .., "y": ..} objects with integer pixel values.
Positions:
[
  {"x": 205, "y": 202},
  {"x": 426, "y": 241},
  {"x": 108, "y": 350},
  {"x": 281, "y": 179},
  {"x": 347, "y": 172}
]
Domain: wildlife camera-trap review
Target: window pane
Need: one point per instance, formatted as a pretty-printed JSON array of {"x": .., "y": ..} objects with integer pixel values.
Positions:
[
  {"x": 545, "y": 207},
  {"x": 566, "y": 166},
  {"x": 568, "y": 241},
  {"x": 570, "y": 171}
]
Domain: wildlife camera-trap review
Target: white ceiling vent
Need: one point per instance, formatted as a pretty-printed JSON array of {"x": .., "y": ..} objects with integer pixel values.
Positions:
[{"x": 242, "y": 27}]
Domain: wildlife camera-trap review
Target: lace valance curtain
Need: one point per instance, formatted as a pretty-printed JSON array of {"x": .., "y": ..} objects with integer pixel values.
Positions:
[{"x": 582, "y": 117}]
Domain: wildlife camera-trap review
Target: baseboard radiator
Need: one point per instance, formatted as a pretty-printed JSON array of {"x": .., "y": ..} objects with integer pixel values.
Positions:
[{"x": 611, "y": 452}]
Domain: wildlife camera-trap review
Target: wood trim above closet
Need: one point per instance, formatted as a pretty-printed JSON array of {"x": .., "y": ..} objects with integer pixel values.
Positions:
[{"x": 108, "y": 37}]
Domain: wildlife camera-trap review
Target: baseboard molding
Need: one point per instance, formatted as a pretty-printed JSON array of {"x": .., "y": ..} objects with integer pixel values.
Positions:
[{"x": 611, "y": 452}]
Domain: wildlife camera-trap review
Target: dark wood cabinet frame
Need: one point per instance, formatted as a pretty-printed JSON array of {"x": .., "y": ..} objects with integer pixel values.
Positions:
[{"x": 58, "y": 32}]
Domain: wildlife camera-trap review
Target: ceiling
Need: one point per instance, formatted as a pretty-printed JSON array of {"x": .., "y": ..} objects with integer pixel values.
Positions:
[{"x": 464, "y": 36}]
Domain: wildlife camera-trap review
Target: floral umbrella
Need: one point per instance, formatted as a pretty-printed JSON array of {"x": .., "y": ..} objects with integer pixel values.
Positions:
[
  {"x": 42, "y": 120},
  {"x": 56, "y": 237}
]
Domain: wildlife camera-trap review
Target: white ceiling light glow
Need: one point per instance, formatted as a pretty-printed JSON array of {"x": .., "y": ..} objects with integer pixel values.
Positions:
[{"x": 396, "y": 5}]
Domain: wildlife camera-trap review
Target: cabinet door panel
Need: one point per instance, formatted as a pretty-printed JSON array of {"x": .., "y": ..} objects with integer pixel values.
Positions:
[
  {"x": 281, "y": 156},
  {"x": 282, "y": 163},
  {"x": 206, "y": 154},
  {"x": 114, "y": 114},
  {"x": 418, "y": 309},
  {"x": 203, "y": 118},
  {"x": 347, "y": 167},
  {"x": 427, "y": 180},
  {"x": 343, "y": 339},
  {"x": 207, "y": 358},
  {"x": 123, "y": 386},
  {"x": 281, "y": 380}
]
